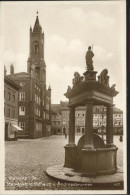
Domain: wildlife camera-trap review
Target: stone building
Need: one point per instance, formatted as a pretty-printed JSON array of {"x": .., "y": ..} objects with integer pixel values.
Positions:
[
  {"x": 80, "y": 120},
  {"x": 11, "y": 93},
  {"x": 99, "y": 119},
  {"x": 34, "y": 97},
  {"x": 65, "y": 117},
  {"x": 55, "y": 119}
]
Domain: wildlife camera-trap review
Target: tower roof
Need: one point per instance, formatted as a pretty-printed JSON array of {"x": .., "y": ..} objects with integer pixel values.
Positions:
[{"x": 37, "y": 26}]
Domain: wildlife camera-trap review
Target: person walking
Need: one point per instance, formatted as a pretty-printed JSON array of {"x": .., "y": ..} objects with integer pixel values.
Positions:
[
  {"x": 120, "y": 138},
  {"x": 65, "y": 134}
]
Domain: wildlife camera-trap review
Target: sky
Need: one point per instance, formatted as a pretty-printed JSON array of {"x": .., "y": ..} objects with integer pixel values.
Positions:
[{"x": 69, "y": 28}]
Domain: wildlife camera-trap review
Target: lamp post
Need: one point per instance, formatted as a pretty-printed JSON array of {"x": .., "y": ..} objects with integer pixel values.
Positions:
[{"x": 102, "y": 127}]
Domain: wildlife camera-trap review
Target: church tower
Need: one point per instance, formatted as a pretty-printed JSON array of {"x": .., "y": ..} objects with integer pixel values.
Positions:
[{"x": 36, "y": 64}]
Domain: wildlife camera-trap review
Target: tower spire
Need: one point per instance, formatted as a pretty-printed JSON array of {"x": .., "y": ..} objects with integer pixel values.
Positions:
[{"x": 37, "y": 26}]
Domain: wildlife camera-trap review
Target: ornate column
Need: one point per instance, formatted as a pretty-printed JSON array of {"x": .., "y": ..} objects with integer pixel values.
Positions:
[
  {"x": 71, "y": 140},
  {"x": 109, "y": 127},
  {"x": 70, "y": 148},
  {"x": 88, "y": 157},
  {"x": 89, "y": 126}
]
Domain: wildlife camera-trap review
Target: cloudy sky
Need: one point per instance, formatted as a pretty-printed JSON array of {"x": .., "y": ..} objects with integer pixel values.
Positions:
[{"x": 69, "y": 27}]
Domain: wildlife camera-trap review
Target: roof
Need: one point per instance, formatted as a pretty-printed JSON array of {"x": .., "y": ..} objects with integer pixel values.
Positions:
[
  {"x": 64, "y": 104},
  {"x": 80, "y": 108},
  {"x": 19, "y": 73},
  {"x": 37, "y": 26},
  {"x": 117, "y": 110},
  {"x": 11, "y": 82},
  {"x": 56, "y": 108}
]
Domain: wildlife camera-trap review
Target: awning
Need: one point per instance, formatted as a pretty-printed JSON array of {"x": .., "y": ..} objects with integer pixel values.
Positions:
[{"x": 17, "y": 128}]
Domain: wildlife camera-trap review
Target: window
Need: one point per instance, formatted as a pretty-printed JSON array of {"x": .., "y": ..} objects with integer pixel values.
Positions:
[
  {"x": 13, "y": 114},
  {"x": 83, "y": 121},
  {"x": 22, "y": 96},
  {"x": 78, "y": 130},
  {"x": 21, "y": 110},
  {"x": 9, "y": 96},
  {"x": 83, "y": 130},
  {"x": 44, "y": 115},
  {"x": 13, "y": 98},
  {"x": 22, "y": 125},
  {"x": 77, "y": 122},
  {"x": 36, "y": 47},
  {"x": 37, "y": 112},
  {"x": 63, "y": 121},
  {"x": 78, "y": 114},
  {"x": 83, "y": 114},
  {"x": 37, "y": 100},
  {"x": 9, "y": 112}
]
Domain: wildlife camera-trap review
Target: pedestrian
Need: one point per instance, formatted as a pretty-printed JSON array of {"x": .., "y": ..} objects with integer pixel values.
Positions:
[
  {"x": 65, "y": 134},
  {"x": 120, "y": 138}
]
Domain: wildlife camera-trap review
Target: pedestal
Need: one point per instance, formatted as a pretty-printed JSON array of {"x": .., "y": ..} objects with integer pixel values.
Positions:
[
  {"x": 70, "y": 156},
  {"x": 99, "y": 161},
  {"x": 90, "y": 75},
  {"x": 88, "y": 162}
]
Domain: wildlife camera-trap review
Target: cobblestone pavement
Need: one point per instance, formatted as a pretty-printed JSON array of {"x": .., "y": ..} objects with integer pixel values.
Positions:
[{"x": 27, "y": 160}]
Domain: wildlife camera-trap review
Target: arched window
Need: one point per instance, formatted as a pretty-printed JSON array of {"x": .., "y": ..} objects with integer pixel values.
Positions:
[{"x": 36, "y": 47}]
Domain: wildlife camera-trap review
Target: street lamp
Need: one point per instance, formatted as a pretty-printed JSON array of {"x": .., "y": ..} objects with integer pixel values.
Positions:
[{"x": 102, "y": 127}]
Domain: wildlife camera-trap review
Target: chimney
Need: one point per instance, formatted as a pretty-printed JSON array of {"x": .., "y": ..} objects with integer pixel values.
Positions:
[
  {"x": 11, "y": 69},
  {"x": 5, "y": 71}
]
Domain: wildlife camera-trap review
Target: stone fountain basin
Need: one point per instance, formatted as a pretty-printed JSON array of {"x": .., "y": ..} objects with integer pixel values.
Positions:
[{"x": 98, "y": 161}]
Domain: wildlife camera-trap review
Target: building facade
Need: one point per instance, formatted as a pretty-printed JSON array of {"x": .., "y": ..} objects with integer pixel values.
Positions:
[
  {"x": 34, "y": 98},
  {"x": 55, "y": 119},
  {"x": 11, "y": 93},
  {"x": 65, "y": 117},
  {"x": 99, "y": 119}
]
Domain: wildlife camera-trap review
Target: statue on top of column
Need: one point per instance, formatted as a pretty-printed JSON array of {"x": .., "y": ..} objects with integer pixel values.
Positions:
[{"x": 88, "y": 57}]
